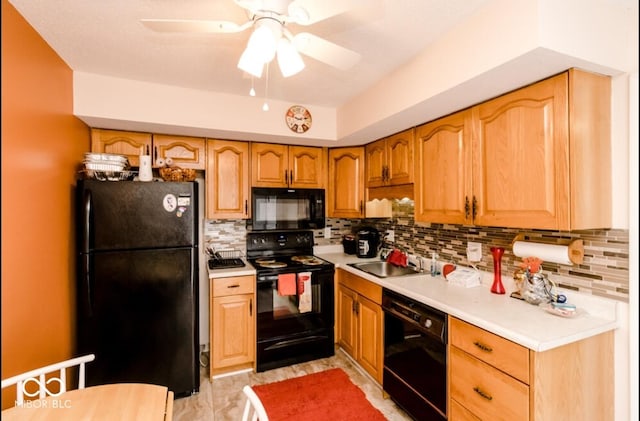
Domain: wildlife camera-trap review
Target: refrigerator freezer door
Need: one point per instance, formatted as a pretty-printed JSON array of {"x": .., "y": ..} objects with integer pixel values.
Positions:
[
  {"x": 138, "y": 314},
  {"x": 136, "y": 215}
]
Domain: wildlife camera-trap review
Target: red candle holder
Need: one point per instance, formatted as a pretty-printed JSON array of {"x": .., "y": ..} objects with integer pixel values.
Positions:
[{"x": 497, "y": 287}]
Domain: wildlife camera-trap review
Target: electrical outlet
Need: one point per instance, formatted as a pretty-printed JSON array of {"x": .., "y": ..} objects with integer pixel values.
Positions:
[
  {"x": 327, "y": 232},
  {"x": 474, "y": 251},
  {"x": 390, "y": 236}
]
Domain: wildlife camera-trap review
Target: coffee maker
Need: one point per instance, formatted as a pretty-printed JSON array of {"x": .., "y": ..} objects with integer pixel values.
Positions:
[{"x": 368, "y": 242}]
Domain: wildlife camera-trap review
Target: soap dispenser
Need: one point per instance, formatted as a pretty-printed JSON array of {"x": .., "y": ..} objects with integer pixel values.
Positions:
[{"x": 434, "y": 263}]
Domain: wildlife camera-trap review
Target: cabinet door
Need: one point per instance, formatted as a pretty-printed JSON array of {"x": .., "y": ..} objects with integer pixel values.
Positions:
[
  {"x": 269, "y": 165},
  {"x": 227, "y": 179},
  {"x": 185, "y": 152},
  {"x": 443, "y": 170},
  {"x": 345, "y": 198},
  {"x": 370, "y": 342},
  {"x": 347, "y": 324},
  {"x": 131, "y": 144},
  {"x": 521, "y": 158},
  {"x": 376, "y": 163},
  {"x": 400, "y": 158},
  {"x": 232, "y": 332},
  {"x": 307, "y": 167}
]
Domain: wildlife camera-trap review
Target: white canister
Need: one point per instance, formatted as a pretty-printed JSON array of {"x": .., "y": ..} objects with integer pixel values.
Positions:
[{"x": 146, "y": 171}]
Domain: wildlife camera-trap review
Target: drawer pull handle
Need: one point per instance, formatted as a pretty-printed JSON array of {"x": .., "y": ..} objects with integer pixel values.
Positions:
[
  {"x": 481, "y": 393},
  {"x": 233, "y": 286},
  {"x": 483, "y": 346}
]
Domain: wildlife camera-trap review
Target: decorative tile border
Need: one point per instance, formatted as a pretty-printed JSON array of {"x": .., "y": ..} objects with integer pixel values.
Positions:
[{"x": 604, "y": 271}]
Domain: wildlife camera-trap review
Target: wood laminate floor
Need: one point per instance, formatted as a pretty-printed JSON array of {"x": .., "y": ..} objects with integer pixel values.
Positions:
[{"x": 222, "y": 399}]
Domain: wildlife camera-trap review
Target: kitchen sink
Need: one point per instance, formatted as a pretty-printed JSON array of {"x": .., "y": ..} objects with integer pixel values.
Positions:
[{"x": 384, "y": 269}]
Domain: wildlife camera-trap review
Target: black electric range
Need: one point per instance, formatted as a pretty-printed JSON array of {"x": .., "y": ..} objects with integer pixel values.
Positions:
[{"x": 294, "y": 299}]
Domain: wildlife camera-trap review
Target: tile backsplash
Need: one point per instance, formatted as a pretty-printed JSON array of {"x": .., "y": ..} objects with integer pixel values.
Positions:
[{"x": 603, "y": 272}]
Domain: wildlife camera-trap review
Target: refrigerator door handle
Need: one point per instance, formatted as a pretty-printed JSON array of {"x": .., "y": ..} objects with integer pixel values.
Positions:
[
  {"x": 87, "y": 302},
  {"x": 86, "y": 222},
  {"x": 84, "y": 247}
]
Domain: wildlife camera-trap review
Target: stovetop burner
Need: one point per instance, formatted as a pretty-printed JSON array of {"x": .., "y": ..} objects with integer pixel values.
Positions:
[
  {"x": 283, "y": 250},
  {"x": 288, "y": 262}
]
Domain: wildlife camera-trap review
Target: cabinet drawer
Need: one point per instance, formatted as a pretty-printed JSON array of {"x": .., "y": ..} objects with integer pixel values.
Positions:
[
  {"x": 360, "y": 285},
  {"x": 501, "y": 353},
  {"x": 232, "y": 285},
  {"x": 485, "y": 391},
  {"x": 458, "y": 412}
]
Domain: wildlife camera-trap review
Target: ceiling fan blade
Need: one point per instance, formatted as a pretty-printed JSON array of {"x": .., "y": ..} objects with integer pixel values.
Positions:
[
  {"x": 187, "y": 25},
  {"x": 325, "y": 51},
  {"x": 320, "y": 10}
]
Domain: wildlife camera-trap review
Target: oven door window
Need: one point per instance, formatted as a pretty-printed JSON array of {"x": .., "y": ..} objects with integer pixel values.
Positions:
[{"x": 284, "y": 314}]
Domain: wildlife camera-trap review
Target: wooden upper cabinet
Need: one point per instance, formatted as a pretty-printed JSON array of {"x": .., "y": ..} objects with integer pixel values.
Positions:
[
  {"x": 227, "y": 179},
  {"x": 307, "y": 167},
  {"x": 389, "y": 161},
  {"x": 131, "y": 144},
  {"x": 540, "y": 158},
  {"x": 345, "y": 195},
  {"x": 443, "y": 164},
  {"x": 274, "y": 165},
  {"x": 376, "y": 163},
  {"x": 185, "y": 152}
]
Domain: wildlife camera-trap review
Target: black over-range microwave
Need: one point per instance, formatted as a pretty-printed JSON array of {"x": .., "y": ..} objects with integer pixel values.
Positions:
[{"x": 283, "y": 208}]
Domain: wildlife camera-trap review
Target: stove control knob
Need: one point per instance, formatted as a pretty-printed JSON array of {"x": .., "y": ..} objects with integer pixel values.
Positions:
[{"x": 428, "y": 323}]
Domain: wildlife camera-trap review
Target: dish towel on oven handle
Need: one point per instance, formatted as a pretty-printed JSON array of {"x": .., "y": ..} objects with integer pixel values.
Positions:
[
  {"x": 305, "y": 297},
  {"x": 287, "y": 284}
]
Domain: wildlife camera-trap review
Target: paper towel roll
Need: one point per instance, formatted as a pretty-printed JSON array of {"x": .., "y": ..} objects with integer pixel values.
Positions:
[{"x": 547, "y": 252}]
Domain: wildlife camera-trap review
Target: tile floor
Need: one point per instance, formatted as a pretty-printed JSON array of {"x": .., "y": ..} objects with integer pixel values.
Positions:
[{"x": 223, "y": 400}]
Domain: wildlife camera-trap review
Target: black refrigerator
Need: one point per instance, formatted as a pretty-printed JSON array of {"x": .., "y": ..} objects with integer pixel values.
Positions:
[{"x": 138, "y": 282}]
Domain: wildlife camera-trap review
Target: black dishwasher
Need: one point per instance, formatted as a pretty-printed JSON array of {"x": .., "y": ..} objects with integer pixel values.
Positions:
[{"x": 415, "y": 356}]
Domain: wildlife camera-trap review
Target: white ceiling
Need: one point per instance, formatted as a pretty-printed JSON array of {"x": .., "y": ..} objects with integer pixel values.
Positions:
[{"x": 106, "y": 37}]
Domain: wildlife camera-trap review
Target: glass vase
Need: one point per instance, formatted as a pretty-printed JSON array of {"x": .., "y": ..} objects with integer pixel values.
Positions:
[{"x": 497, "y": 287}]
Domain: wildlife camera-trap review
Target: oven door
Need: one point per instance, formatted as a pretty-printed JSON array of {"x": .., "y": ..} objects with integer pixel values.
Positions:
[
  {"x": 415, "y": 368},
  {"x": 288, "y": 331}
]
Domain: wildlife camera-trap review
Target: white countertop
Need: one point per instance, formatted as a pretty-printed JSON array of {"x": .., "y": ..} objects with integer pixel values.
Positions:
[
  {"x": 226, "y": 273},
  {"x": 516, "y": 320}
]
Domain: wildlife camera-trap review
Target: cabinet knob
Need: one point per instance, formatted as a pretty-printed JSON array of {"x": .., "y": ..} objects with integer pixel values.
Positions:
[
  {"x": 483, "y": 347},
  {"x": 482, "y": 393},
  {"x": 466, "y": 207},
  {"x": 474, "y": 207}
]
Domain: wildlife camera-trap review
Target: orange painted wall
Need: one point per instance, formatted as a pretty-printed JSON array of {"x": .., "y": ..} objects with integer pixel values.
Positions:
[{"x": 42, "y": 146}]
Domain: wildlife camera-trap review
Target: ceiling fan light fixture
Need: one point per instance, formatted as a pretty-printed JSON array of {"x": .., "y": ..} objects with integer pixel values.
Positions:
[
  {"x": 263, "y": 43},
  {"x": 251, "y": 63},
  {"x": 289, "y": 59}
]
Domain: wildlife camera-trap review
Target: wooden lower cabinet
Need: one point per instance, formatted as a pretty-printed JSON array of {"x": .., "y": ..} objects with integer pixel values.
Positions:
[
  {"x": 360, "y": 322},
  {"x": 232, "y": 324},
  {"x": 491, "y": 378}
]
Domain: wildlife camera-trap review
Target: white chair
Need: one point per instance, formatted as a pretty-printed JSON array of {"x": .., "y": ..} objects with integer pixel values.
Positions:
[
  {"x": 37, "y": 376},
  {"x": 253, "y": 405}
]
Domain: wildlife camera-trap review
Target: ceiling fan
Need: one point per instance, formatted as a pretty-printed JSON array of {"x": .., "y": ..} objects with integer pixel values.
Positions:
[{"x": 271, "y": 37}]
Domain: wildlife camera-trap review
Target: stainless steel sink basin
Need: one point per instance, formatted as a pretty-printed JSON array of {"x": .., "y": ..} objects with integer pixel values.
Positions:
[{"x": 384, "y": 269}]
